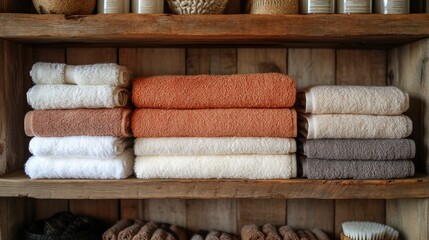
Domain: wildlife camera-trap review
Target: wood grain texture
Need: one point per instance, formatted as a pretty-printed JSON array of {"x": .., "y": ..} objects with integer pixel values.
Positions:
[
  {"x": 409, "y": 216},
  {"x": 262, "y": 60},
  {"x": 171, "y": 211},
  {"x": 213, "y": 61},
  {"x": 131, "y": 209},
  {"x": 261, "y": 211},
  {"x": 14, "y": 215},
  {"x": 341, "y": 30}
]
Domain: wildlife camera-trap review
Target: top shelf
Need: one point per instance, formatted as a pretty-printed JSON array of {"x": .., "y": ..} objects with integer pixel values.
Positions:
[{"x": 333, "y": 30}]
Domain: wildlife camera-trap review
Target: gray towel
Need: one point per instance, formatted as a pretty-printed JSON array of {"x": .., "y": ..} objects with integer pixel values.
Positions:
[
  {"x": 357, "y": 169},
  {"x": 362, "y": 149}
]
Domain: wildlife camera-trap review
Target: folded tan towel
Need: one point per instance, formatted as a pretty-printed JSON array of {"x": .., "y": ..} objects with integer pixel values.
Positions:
[
  {"x": 354, "y": 99},
  {"x": 266, "y": 90},
  {"x": 288, "y": 233},
  {"x": 146, "y": 232},
  {"x": 113, "y": 232},
  {"x": 251, "y": 232},
  {"x": 355, "y": 126},
  {"x": 90, "y": 122},
  {"x": 271, "y": 232},
  {"x": 129, "y": 232},
  {"x": 320, "y": 234}
]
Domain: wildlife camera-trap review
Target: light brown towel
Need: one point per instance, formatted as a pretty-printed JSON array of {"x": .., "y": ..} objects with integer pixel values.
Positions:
[
  {"x": 113, "y": 232},
  {"x": 215, "y": 123},
  {"x": 146, "y": 232},
  {"x": 129, "y": 232},
  {"x": 320, "y": 234},
  {"x": 213, "y": 235},
  {"x": 271, "y": 232},
  {"x": 266, "y": 90},
  {"x": 251, "y": 232},
  {"x": 78, "y": 122},
  {"x": 288, "y": 233}
]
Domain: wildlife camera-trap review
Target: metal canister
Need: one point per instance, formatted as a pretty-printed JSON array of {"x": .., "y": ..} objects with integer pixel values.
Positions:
[
  {"x": 392, "y": 6},
  {"x": 317, "y": 6},
  {"x": 148, "y": 6},
  {"x": 354, "y": 6},
  {"x": 113, "y": 6}
]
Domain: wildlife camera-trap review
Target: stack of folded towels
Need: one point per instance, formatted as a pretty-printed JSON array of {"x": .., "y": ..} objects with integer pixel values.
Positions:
[
  {"x": 80, "y": 124},
  {"x": 237, "y": 126},
  {"x": 356, "y": 132}
]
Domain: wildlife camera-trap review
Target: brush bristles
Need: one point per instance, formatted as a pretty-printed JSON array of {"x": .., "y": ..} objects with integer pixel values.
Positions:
[
  {"x": 369, "y": 231},
  {"x": 391, "y": 233}
]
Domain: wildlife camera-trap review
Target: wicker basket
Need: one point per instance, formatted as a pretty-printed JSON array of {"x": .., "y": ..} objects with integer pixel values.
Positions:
[
  {"x": 273, "y": 6},
  {"x": 197, "y": 6},
  {"x": 67, "y": 7}
]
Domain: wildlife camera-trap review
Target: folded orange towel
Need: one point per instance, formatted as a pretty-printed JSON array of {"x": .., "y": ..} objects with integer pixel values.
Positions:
[
  {"x": 215, "y": 123},
  {"x": 266, "y": 90},
  {"x": 78, "y": 122}
]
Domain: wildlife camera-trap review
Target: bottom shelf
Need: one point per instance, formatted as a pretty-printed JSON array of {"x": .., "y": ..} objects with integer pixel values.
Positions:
[{"x": 19, "y": 185}]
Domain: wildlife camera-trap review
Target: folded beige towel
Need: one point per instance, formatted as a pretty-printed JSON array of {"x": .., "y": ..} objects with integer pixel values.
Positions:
[
  {"x": 355, "y": 126},
  {"x": 354, "y": 99}
]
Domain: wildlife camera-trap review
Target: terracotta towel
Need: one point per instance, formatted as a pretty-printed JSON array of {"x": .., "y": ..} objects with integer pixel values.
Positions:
[
  {"x": 225, "y": 166},
  {"x": 92, "y": 74},
  {"x": 320, "y": 235},
  {"x": 90, "y": 122},
  {"x": 146, "y": 232},
  {"x": 213, "y": 146},
  {"x": 288, "y": 233},
  {"x": 355, "y": 126},
  {"x": 362, "y": 149},
  {"x": 213, "y": 235},
  {"x": 251, "y": 232},
  {"x": 271, "y": 232},
  {"x": 215, "y": 123},
  {"x": 129, "y": 232},
  {"x": 113, "y": 232},
  {"x": 266, "y": 90},
  {"x": 43, "y": 97},
  {"x": 357, "y": 169},
  {"x": 354, "y": 99}
]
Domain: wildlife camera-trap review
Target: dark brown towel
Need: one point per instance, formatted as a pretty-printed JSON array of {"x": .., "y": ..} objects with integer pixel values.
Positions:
[
  {"x": 271, "y": 232},
  {"x": 251, "y": 232},
  {"x": 357, "y": 169},
  {"x": 288, "y": 233},
  {"x": 320, "y": 234},
  {"x": 213, "y": 235},
  {"x": 362, "y": 149},
  {"x": 78, "y": 122},
  {"x": 146, "y": 232},
  {"x": 113, "y": 232},
  {"x": 129, "y": 232}
]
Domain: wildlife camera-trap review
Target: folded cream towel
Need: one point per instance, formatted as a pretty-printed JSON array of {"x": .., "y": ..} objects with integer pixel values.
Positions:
[
  {"x": 355, "y": 126},
  {"x": 355, "y": 100},
  {"x": 206, "y": 167},
  {"x": 79, "y": 146},
  {"x": 94, "y": 74},
  {"x": 118, "y": 167},
  {"x": 213, "y": 146},
  {"x": 42, "y": 97}
]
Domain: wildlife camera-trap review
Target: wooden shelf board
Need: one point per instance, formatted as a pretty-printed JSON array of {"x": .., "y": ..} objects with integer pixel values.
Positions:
[
  {"x": 338, "y": 30},
  {"x": 19, "y": 185}
]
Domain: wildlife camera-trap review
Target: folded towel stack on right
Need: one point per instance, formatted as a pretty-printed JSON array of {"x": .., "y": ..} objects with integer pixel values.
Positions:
[
  {"x": 356, "y": 132},
  {"x": 235, "y": 126}
]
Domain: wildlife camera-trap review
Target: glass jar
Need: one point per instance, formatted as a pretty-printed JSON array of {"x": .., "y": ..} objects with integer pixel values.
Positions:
[
  {"x": 113, "y": 6},
  {"x": 354, "y": 6},
  {"x": 392, "y": 6},
  {"x": 148, "y": 6},
  {"x": 317, "y": 6}
]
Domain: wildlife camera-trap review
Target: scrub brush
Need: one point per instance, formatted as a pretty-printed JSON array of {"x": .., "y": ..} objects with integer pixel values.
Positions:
[{"x": 368, "y": 231}]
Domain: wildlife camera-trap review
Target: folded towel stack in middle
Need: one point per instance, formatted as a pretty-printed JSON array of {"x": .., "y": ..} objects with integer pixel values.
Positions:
[
  {"x": 356, "y": 132},
  {"x": 237, "y": 126},
  {"x": 79, "y": 124}
]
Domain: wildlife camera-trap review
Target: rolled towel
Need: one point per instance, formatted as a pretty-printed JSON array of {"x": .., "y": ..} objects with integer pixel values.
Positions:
[
  {"x": 251, "y": 232},
  {"x": 129, "y": 232},
  {"x": 303, "y": 235},
  {"x": 118, "y": 167},
  {"x": 178, "y": 232},
  {"x": 355, "y": 126},
  {"x": 200, "y": 235},
  {"x": 266, "y": 90},
  {"x": 271, "y": 232},
  {"x": 227, "y": 236},
  {"x": 42, "y": 97},
  {"x": 78, "y": 122},
  {"x": 213, "y": 235},
  {"x": 93, "y": 74},
  {"x": 215, "y": 123},
  {"x": 310, "y": 235},
  {"x": 213, "y": 146},
  {"x": 146, "y": 232},
  {"x": 361, "y": 149},
  {"x": 320, "y": 234},
  {"x": 207, "y": 167},
  {"x": 161, "y": 234},
  {"x": 357, "y": 169},
  {"x": 113, "y": 232},
  {"x": 288, "y": 233},
  {"x": 354, "y": 100},
  {"x": 78, "y": 146}
]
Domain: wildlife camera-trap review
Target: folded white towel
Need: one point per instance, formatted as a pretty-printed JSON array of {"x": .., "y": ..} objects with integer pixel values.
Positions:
[
  {"x": 205, "y": 167},
  {"x": 94, "y": 74},
  {"x": 78, "y": 146},
  {"x": 117, "y": 167},
  {"x": 355, "y": 100},
  {"x": 213, "y": 146},
  {"x": 75, "y": 96},
  {"x": 357, "y": 126}
]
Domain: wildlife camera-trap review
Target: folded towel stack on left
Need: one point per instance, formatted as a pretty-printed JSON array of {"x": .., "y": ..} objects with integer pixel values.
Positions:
[{"x": 81, "y": 125}]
